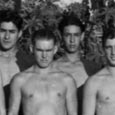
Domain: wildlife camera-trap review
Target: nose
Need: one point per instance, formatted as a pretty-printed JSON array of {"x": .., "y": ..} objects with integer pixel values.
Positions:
[
  {"x": 7, "y": 35},
  {"x": 72, "y": 39},
  {"x": 44, "y": 54},
  {"x": 113, "y": 50}
]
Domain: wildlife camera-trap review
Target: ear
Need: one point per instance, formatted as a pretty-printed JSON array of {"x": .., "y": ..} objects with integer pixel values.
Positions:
[
  {"x": 31, "y": 48},
  {"x": 82, "y": 36},
  {"x": 55, "y": 49},
  {"x": 20, "y": 34}
]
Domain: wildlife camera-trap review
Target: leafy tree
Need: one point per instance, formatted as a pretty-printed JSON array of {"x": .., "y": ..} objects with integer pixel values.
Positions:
[{"x": 46, "y": 14}]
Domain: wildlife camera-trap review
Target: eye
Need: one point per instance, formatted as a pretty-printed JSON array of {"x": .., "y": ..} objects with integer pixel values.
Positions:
[
  {"x": 2, "y": 30},
  {"x": 66, "y": 34},
  {"x": 39, "y": 50},
  {"x": 107, "y": 47},
  {"x": 49, "y": 50},
  {"x": 12, "y": 31},
  {"x": 77, "y": 34}
]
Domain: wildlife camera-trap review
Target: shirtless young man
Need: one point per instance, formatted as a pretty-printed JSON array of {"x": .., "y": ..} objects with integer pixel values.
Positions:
[
  {"x": 12, "y": 58},
  {"x": 99, "y": 91},
  {"x": 43, "y": 89},
  {"x": 72, "y": 31}
]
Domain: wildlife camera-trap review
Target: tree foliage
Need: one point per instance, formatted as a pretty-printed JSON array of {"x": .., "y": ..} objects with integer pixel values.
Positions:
[{"x": 46, "y": 13}]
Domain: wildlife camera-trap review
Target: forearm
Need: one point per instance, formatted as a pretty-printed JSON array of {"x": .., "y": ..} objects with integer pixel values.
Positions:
[
  {"x": 2, "y": 112},
  {"x": 12, "y": 113},
  {"x": 73, "y": 113},
  {"x": 2, "y": 107}
]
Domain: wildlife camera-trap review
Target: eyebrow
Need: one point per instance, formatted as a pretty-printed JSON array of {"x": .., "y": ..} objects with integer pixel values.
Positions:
[
  {"x": 45, "y": 49},
  {"x": 72, "y": 33},
  {"x": 7, "y": 29},
  {"x": 109, "y": 46}
]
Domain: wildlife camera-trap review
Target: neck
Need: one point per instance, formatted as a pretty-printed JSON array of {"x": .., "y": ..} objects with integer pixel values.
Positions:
[
  {"x": 111, "y": 70},
  {"x": 39, "y": 70},
  {"x": 72, "y": 57},
  {"x": 9, "y": 54},
  {"x": 12, "y": 50}
]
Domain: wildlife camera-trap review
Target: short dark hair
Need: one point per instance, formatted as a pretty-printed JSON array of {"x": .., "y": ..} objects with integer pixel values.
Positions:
[
  {"x": 70, "y": 19},
  {"x": 9, "y": 15},
  {"x": 109, "y": 33},
  {"x": 43, "y": 34}
]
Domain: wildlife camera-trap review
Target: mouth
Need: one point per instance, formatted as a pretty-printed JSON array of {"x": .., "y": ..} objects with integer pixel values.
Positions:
[
  {"x": 72, "y": 46},
  {"x": 6, "y": 42},
  {"x": 44, "y": 61},
  {"x": 113, "y": 58}
]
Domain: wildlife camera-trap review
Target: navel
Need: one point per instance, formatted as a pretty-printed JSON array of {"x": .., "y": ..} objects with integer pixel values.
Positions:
[
  {"x": 107, "y": 98},
  {"x": 31, "y": 95},
  {"x": 59, "y": 94}
]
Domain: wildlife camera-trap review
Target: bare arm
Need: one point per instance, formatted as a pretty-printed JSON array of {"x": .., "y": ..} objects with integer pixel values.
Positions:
[
  {"x": 15, "y": 96},
  {"x": 71, "y": 97},
  {"x": 89, "y": 98},
  {"x": 2, "y": 99}
]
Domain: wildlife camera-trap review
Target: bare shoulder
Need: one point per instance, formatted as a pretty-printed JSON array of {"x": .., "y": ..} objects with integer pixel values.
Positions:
[
  {"x": 68, "y": 79},
  {"x": 102, "y": 74},
  {"x": 97, "y": 79},
  {"x": 21, "y": 77},
  {"x": 60, "y": 59},
  {"x": 58, "y": 62}
]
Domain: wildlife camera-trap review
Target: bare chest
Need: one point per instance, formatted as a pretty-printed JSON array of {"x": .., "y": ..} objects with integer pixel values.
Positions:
[
  {"x": 72, "y": 68},
  {"x": 106, "y": 93},
  {"x": 44, "y": 89},
  {"x": 77, "y": 70}
]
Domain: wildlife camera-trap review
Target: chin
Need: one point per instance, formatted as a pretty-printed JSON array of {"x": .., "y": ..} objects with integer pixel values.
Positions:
[
  {"x": 71, "y": 50},
  {"x": 112, "y": 64},
  {"x": 7, "y": 46},
  {"x": 43, "y": 66},
  {"x": 5, "y": 49}
]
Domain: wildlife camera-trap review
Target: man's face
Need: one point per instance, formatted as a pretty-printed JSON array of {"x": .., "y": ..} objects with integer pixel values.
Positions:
[
  {"x": 110, "y": 51},
  {"x": 44, "y": 51},
  {"x": 72, "y": 36},
  {"x": 9, "y": 35}
]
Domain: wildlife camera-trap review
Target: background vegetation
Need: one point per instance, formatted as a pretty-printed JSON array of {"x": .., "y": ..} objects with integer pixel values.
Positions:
[{"x": 96, "y": 16}]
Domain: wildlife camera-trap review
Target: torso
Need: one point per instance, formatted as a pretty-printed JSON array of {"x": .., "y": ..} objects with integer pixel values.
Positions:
[
  {"x": 8, "y": 69},
  {"x": 105, "y": 104},
  {"x": 44, "y": 94}
]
